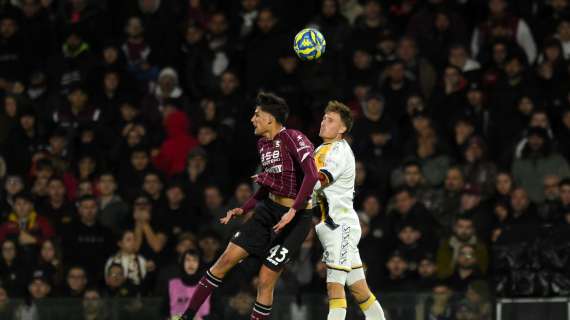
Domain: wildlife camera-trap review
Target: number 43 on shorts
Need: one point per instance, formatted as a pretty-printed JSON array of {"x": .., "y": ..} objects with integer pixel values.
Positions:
[{"x": 277, "y": 255}]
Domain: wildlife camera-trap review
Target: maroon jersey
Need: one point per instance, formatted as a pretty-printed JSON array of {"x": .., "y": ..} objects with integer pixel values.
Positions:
[{"x": 281, "y": 160}]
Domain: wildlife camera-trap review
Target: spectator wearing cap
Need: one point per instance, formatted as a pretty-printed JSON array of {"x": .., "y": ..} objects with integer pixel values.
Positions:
[
  {"x": 538, "y": 160},
  {"x": 450, "y": 248},
  {"x": 150, "y": 233},
  {"x": 411, "y": 246},
  {"x": 466, "y": 269},
  {"x": 87, "y": 243},
  {"x": 26, "y": 225},
  {"x": 478, "y": 170},
  {"x": 399, "y": 277},
  {"x": 427, "y": 273},
  {"x": 77, "y": 111},
  {"x": 171, "y": 158},
  {"x": 113, "y": 211},
  {"x": 13, "y": 270},
  {"x": 39, "y": 288}
]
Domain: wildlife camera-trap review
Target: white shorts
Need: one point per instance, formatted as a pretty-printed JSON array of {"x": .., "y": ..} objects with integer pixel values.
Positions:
[{"x": 341, "y": 253}]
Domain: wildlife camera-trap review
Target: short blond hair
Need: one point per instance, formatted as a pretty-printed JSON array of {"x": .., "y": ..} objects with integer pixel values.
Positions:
[{"x": 343, "y": 111}]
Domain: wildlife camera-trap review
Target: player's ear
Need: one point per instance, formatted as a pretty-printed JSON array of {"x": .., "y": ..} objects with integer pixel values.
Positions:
[{"x": 343, "y": 129}]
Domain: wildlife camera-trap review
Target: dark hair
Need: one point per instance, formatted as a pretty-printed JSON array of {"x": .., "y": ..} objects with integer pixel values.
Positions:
[
  {"x": 412, "y": 163},
  {"x": 274, "y": 105},
  {"x": 343, "y": 111},
  {"x": 565, "y": 182},
  {"x": 86, "y": 197}
]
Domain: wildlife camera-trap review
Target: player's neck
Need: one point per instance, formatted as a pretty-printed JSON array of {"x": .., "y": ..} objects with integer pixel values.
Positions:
[
  {"x": 273, "y": 131},
  {"x": 332, "y": 140}
]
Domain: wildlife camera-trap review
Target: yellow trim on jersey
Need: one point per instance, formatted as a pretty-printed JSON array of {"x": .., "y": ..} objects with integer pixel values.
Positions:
[
  {"x": 366, "y": 304},
  {"x": 321, "y": 155},
  {"x": 339, "y": 268},
  {"x": 337, "y": 304}
]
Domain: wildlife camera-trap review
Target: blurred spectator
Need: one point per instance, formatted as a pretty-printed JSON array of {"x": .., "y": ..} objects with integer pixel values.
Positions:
[
  {"x": 501, "y": 23},
  {"x": 6, "y": 307},
  {"x": 411, "y": 247},
  {"x": 548, "y": 209},
  {"x": 50, "y": 260},
  {"x": 537, "y": 161},
  {"x": 182, "y": 288},
  {"x": 116, "y": 282},
  {"x": 439, "y": 305},
  {"x": 75, "y": 283},
  {"x": 13, "y": 273},
  {"x": 427, "y": 273},
  {"x": 141, "y": 58},
  {"x": 87, "y": 243},
  {"x": 113, "y": 211},
  {"x": 132, "y": 176},
  {"x": 240, "y": 305},
  {"x": 398, "y": 278},
  {"x": 450, "y": 249},
  {"x": 477, "y": 168},
  {"x": 26, "y": 226},
  {"x": 210, "y": 245},
  {"x": 134, "y": 265},
  {"x": 479, "y": 297},
  {"x": 448, "y": 201},
  {"x": 522, "y": 210},
  {"x": 57, "y": 207},
  {"x": 407, "y": 209},
  {"x": 14, "y": 54},
  {"x": 93, "y": 306},
  {"x": 38, "y": 288},
  {"x": 13, "y": 184},
  {"x": 417, "y": 68},
  {"x": 150, "y": 237},
  {"x": 173, "y": 153},
  {"x": 153, "y": 187},
  {"x": 466, "y": 269}
]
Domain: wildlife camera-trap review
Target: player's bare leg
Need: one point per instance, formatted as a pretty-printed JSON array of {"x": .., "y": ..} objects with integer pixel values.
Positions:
[
  {"x": 267, "y": 281},
  {"x": 214, "y": 276},
  {"x": 337, "y": 301},
  {"x": 366, "y": 300}
]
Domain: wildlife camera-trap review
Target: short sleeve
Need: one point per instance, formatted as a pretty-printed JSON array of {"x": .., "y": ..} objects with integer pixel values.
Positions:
[{"x": 299, "y": 146}]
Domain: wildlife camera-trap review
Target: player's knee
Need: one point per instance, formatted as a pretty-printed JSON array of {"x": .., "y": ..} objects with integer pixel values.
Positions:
[
  {"x": 335, "y": 290},
  {"x": 360, "y": 291},
  {"x": 267, "y": 281}
]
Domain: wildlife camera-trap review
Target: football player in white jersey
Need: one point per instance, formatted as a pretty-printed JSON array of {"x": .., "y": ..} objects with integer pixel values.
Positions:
[{"x": 339, "y": 229}]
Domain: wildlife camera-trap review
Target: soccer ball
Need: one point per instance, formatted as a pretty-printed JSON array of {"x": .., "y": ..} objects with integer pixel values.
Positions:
[{"x": 309, "y": 44}]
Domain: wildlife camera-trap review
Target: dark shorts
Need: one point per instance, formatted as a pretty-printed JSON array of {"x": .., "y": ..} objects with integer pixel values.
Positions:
[{"x": 256, "y": 236}]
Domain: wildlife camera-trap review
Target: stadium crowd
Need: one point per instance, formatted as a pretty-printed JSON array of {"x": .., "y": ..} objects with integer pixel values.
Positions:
[{"x": 125, "y": 136}]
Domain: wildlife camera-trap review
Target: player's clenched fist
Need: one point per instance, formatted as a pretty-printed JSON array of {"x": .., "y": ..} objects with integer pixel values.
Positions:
[{"x": 232, "y": 213}]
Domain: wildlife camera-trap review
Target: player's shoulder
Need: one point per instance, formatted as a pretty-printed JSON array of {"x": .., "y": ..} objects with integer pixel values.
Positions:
[{"x": 296, "y": 136}]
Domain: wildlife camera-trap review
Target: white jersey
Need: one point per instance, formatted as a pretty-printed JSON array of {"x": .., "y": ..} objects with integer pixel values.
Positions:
[
  {"x": 336, "y": 161},
  {"x": 339, "y": 230}
]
